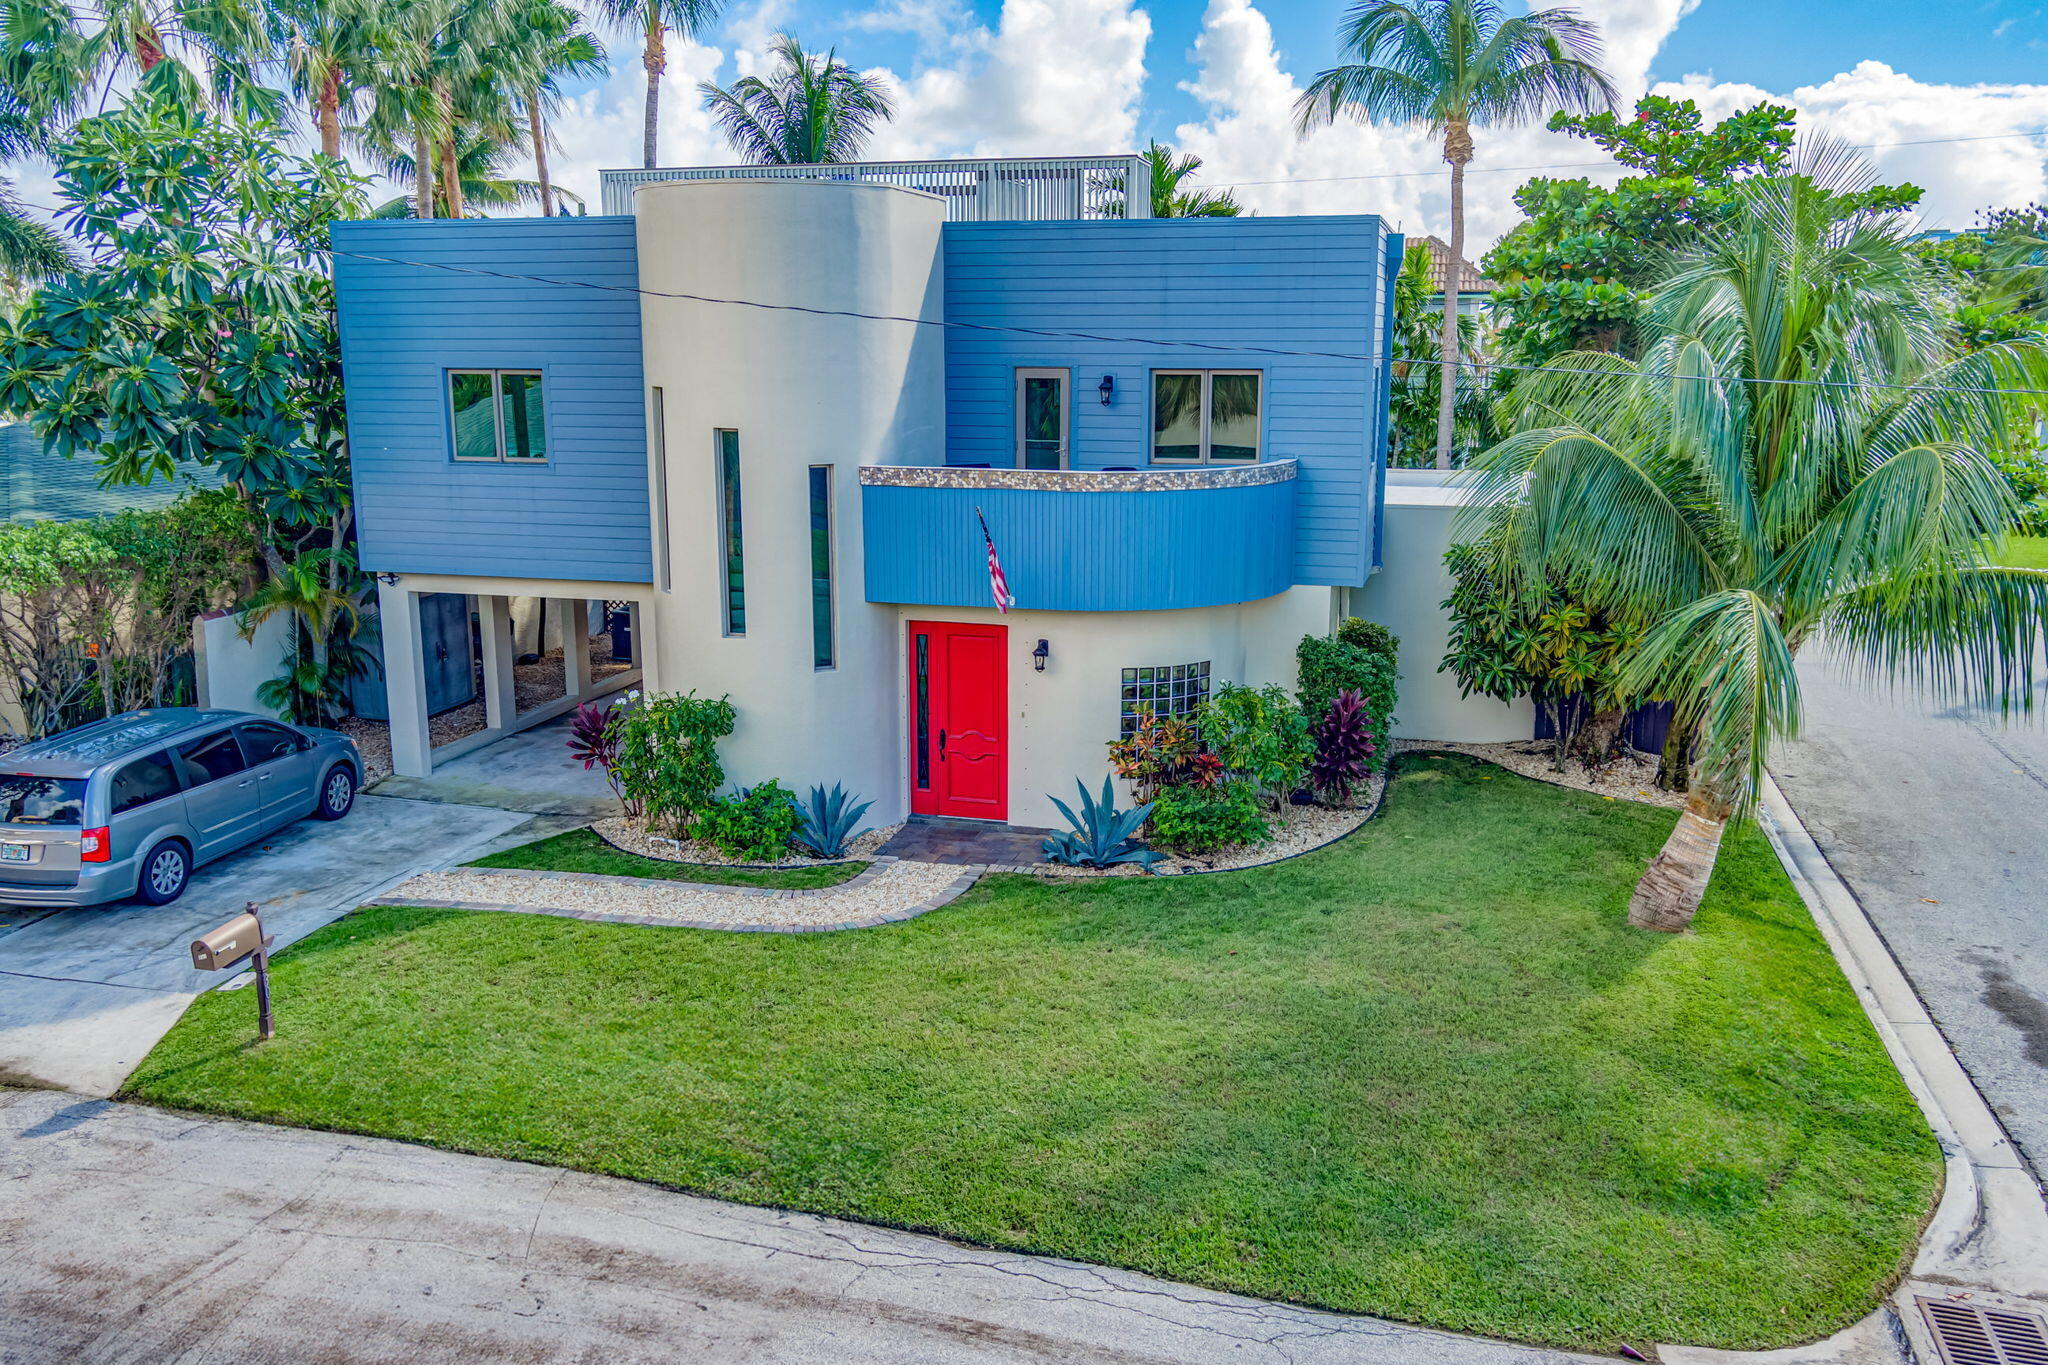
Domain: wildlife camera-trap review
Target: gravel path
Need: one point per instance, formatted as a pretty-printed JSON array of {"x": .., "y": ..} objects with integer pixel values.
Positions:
[{"x": 885, "y": 892}]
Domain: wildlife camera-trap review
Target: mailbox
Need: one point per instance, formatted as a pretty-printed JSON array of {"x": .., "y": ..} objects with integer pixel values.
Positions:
[{"x": 227, "y": 945}]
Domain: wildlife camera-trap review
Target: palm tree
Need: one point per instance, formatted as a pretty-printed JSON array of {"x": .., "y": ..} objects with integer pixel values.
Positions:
[
  {"x": 330, "y": 51},
  {"x": 444, "y": 87},
  {"x": 317, "y": 594},
  {"x": 809, "y": 111},
  {"x": 653, "y": 20},
  {"x": 549, "y": 45},
  {"x": 1170, "y": 170},
  {"x": 59, "y": 60},
  {"x": 1452, "y": 65},
  {"x": 1800, "y": 452},
  {"x": 480, "y": 164}
]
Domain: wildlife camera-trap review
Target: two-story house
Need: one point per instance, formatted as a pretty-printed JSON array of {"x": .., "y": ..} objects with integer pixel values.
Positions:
[{"x": 775, "y": 414}]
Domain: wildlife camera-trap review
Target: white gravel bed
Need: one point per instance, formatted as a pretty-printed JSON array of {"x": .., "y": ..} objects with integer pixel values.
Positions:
[
  {"x": 1296, "y": 830},
  {"x": 628, "y": 837},
  {"x": 893, "y": 888},
  {"x": 1633, "y": 778}
]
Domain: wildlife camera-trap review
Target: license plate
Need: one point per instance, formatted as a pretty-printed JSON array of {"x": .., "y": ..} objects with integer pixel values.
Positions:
[{"x": 13, "y": 853}]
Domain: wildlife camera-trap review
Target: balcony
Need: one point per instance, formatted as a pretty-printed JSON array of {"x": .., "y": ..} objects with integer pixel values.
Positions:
[
  {"x": 1038, "y": 188},
  {"x": 1080, "y": 539}
]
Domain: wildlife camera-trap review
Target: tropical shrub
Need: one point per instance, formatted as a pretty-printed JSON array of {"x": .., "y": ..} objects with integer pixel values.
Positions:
[
  {"x": 1327, "y": 665},
  {"x": 668, "y": 757},
  {"x": 828, "y": 821},
  {"x": 754, "y": 825},
  {"x": 1345, "y": 747},
  {"x": 594, "y": 739},
  {"x": 1259, "y": 735},
  {"x": 2026, "y": 474},
  {"x": 318, "y": 594},
  {"x": 1205, "y": 819},
  {"x": 1102, "y": 835},
  {"x": 1370, "y": 636},
  {"x": 1163, "y": 753}
]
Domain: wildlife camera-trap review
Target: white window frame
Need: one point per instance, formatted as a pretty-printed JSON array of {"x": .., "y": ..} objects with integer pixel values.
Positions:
[
  {"x": 1207, "y": 404},
  {"x": 497, "y": 414},
  {"x": 1066, "y": 379}
]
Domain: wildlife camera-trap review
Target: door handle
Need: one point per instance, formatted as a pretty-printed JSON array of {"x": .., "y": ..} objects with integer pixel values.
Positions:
[{"x": 942, "y": 745}]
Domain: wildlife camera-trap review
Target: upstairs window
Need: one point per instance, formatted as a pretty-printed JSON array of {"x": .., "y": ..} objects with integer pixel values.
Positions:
[
  {"x": 732, "y": 552},
  {"x": 1205, "y": 416},
  {"x": 498, "y": 415}
]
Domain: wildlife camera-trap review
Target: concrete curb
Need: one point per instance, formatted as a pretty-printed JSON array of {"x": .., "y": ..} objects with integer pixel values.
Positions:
[{"x": 1988, "y": 1238}]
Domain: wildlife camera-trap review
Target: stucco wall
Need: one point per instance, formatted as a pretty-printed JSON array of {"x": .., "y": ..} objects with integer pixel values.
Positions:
[
  {"x": 1405, "y": 597},
  {"x": 801, "y": 390}
]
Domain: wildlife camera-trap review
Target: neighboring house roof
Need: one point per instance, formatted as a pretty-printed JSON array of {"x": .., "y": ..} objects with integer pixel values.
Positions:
[
  {"x": 36, "y": 485},
  {"x": 1470, "y": 281}
]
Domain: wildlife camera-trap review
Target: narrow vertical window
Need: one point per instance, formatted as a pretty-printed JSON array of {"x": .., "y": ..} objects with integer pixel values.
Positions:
[
  {"x": 661, "y": 562},
  {"x": 822, "y": 654},
  {"x": 731, "y": 547},
  {"x": 1042, "y": 419}
]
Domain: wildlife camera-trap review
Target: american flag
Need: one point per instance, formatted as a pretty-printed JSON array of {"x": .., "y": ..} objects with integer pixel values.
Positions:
[{"x": 998, "y": 586}]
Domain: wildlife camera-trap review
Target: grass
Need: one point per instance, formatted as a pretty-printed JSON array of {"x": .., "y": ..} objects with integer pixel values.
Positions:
[
  {"x": 1425, "y": 1073},
  {"x": 582, "y": 850},
  {"x": 2025, "y": 552}
]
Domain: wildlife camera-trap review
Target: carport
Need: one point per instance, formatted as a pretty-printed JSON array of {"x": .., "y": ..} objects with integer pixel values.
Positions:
[{"x": 407, "y": 659}]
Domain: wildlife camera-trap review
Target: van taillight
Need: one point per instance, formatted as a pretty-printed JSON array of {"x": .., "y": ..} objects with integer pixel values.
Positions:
[{"x": 95, "y": 847}]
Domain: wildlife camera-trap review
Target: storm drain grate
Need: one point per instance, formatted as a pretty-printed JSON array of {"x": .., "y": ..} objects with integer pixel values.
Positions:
[{"x": 1969, "y": 1334}]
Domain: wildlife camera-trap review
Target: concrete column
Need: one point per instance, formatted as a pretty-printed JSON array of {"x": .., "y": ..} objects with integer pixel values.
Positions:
[
  {"x": 646, "y": 654},
  {"x": 575, "y": 646},
  {"x": 501, "y": 702},
  {"x": 405, "y": 680}
]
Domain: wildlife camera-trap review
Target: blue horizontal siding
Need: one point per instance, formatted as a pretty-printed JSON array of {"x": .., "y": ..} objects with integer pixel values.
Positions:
[
  {"x": 1070, "y": 551},
  {"x": 1298, "y": 284},
  {"x": 583, "y": 514}
]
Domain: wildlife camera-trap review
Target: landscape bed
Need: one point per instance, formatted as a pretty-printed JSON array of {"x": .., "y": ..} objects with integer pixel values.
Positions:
[
  {"x": 581, "y": 850},
  {"x": 1425, "y": 1073}
]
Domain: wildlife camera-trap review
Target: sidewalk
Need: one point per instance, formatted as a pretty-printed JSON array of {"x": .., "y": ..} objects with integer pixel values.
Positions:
[{"x": 138, "y": 1234}]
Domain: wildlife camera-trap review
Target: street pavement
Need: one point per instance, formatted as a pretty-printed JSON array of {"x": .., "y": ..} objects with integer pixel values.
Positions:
[
  {"x": 1937, "y": 817},
  {"x": 133, "y": 1234}
]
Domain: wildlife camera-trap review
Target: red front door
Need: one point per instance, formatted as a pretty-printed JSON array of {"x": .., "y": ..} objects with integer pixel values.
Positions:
[{"x": 959, "y": 720}]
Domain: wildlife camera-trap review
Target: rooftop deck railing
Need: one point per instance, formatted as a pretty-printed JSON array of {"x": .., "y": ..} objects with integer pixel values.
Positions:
[{"x": 1007, "y": 189}]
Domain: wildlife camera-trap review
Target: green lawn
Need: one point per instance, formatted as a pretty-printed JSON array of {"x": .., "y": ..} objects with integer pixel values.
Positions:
[
  {"x": 2026, "y": 552},
  {"x": 580, "y": 850},
  {"x": 1425, "y": 1073}
]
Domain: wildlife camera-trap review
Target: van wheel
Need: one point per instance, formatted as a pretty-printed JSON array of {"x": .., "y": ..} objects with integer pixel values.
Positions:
[
  {"x": 164, "y": 874},
  {"x": 337, "y": 793}
]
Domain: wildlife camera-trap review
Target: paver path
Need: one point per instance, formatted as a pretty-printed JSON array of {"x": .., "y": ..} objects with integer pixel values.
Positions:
[{"x": 133, "y": 1234}]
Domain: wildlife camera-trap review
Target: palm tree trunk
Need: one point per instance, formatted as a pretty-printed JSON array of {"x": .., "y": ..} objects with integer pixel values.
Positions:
[
  {"x": 329, "y": 114},
  {"x": 1457, "y": 151},
  {"x": 149, "y": 49},
  {"x": 451, "y": 168},
  {"x": 655, "y": 59},
  {"x": 540, "y": 154},
  {"x": 422, "y": 174},
  {"x": 1669, "y": 894}
]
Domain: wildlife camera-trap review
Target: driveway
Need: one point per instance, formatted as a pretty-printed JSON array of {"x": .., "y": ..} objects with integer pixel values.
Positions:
[
  {"x": 85, "y": 994},
  {"x": 134, "y": 1234},
  {"x": 1938, "y": 820}
]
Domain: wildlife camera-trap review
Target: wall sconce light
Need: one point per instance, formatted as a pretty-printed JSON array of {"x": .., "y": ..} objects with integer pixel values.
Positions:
[
  {"x": 1039, "y": 656},
  {"x": 389, "y": 580},
  {"x": 1107, "y": 388}
]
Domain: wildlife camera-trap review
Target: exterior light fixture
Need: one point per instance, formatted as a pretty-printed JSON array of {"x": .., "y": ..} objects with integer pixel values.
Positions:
[
  {"x": 1040, "y": 654},
  {"x": 389, "y": 580},
  {"x": 1107, "y": 388}
]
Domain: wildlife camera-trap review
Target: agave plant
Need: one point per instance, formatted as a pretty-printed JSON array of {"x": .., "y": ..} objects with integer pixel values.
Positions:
[
  {"x": 828, "y": 820},
  {"x": 1344, "y": 746},
  {"x": 1103, "y": 836}
]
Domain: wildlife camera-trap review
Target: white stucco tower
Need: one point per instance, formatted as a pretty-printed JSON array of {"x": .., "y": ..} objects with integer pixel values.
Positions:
[{"x": 791, "y": 404}]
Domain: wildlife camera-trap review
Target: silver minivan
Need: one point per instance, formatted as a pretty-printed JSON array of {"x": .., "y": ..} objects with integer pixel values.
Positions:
[{"x": 130, "y": 805}]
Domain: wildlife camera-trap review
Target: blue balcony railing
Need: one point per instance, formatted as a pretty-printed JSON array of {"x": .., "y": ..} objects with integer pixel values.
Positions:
[{"x": 1080, "y": 540}]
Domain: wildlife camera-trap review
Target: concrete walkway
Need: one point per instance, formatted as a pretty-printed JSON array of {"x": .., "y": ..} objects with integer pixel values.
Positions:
[
  {"x": 133, "y": 1234},
  {"x": 85, "y": 994},
  {"x": 1938, "y": 820}
]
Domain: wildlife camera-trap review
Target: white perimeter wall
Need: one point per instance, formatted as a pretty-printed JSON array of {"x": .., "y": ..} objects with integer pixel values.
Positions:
[
  {"x": 228, "y": 668},
  {"x": 1406, "y": 595},
  {"x": 800, "y": 390}
]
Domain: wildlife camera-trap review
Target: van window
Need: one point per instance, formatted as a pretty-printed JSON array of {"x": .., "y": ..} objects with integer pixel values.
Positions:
[
  {"x": 262, "y": 742},
  {"x": 30, "y": 800},
  {"x": 210, "y": 759},
  {"x": 141, "y": 782}
]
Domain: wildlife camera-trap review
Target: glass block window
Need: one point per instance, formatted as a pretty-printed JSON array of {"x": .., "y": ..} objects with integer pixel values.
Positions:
[{"x": 1166, "y": 691}]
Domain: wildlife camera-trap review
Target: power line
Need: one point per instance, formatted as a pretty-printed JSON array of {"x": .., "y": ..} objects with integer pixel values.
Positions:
[{"x": 1062, "y": 335}]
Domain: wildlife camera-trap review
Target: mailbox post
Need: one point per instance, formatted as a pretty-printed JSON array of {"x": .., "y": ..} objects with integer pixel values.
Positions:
[{"x": 233, "y": 943}]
